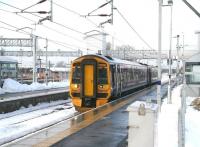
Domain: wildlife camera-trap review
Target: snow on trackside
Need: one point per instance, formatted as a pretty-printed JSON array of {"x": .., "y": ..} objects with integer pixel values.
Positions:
[
  {"x": 20, "y": 125},
  {"x": 165, "y": 77},
  {"x": 2, "y": 91},
  {"x": 33, "y": 108},
  {"x": 12, "y": 86}
]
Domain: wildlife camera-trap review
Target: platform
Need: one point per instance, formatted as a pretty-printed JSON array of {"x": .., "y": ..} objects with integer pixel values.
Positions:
[
  {"x": 19, "y": 95},
  {"x": 110, "y": 131},
  {"x": 103, "y": 126},
  {"x": 13, "y": 101}
]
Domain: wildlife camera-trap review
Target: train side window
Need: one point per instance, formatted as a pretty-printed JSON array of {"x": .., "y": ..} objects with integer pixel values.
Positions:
[
  {"x": 102, "y": 76},
  {"x": 76, "y": 75},
  {"x": 113, "y": 74}
]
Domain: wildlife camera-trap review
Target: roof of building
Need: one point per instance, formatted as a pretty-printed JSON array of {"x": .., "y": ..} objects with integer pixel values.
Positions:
[
  {"x": 194, "y": 58},
  {"x": 60, "y": 69},
  {"x": 7, "y": 60}
]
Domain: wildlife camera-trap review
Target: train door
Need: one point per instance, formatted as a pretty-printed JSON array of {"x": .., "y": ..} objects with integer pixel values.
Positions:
[
  {"x": 88, "y": 88},
  {"x": 88, "y": 80}
]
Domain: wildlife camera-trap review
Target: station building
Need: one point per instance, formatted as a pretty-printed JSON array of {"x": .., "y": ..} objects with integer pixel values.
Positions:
[
  {"x": 8, "y": 69},
  {"x": 192, "y": 75}
]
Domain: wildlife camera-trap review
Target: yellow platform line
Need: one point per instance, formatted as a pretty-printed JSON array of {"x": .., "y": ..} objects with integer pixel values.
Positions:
[{"x": 89, "y": 118}]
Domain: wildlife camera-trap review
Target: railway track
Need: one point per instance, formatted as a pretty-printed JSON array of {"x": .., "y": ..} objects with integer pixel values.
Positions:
[
  {"x": 13, "y": 102},
  {"x": 74, "y": 122},
  {"x": 22, "y": 124},
  {"x": 35, "y": 108},
  {"x": 71, "y": 125}
]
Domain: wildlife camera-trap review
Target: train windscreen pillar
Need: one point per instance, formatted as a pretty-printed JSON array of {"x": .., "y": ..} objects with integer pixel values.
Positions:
[{"x": 142, "y": 124}]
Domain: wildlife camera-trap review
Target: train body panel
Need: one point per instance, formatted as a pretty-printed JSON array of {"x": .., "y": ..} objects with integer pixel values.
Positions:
[
  {"x": 96, "y": 79},
  {"x": 89, "y": 84}
]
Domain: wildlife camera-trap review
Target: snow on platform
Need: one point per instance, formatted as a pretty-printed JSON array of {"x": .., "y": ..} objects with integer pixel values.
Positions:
[{"x": 168, "y": 122}]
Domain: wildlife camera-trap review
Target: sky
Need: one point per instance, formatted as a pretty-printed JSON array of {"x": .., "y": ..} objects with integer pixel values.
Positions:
[{"x": 141, "y": 14}]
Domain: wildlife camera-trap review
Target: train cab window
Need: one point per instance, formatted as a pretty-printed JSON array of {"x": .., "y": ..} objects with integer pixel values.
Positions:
[
  {"x": 102, "y": 76},
  {"x": 76, "y": 75}
]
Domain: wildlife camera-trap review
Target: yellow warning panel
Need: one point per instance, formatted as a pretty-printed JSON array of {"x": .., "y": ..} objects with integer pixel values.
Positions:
[{"x": 88, "y": 80}]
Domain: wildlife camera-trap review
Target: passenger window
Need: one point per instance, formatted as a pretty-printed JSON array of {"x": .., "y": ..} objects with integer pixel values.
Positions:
[
  {"x": 113, "y": 74},
  {"x": 76, "y": 75},
  {"x": 102, "y": 76}
]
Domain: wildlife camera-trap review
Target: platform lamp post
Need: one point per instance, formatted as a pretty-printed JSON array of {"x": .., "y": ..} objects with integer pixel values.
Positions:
[
  {"x": 34, "y": 49},
  {"x": 178, "y": 58},
  {"x": 159, "y": 52},
  {"x": 46, "y": 70},
  {"x": 35, "y": 44},
  {"x": 169, "y": 101}
]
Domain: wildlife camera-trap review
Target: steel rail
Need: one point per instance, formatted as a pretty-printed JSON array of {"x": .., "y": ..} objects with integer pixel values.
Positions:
[{"x": 54, "y": 133}]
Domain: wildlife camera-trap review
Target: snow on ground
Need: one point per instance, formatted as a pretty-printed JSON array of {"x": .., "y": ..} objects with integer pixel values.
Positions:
[
  {"x": 12, "y": 86},
  {"x": 165, "y": 77},
  {"x": 2, "y": 91},
  {"x": 168, "y": 122},
  {"x": 20, "y": 125},
  {"x": 192, "y": 124},
  {"x": 33, "y": 108}
]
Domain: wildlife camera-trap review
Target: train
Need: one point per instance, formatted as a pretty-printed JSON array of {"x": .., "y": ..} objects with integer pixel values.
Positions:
[{"x": 97, "y": 79}]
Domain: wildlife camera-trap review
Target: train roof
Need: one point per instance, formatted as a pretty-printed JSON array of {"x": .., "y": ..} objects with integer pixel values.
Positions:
[
  {"x": 4, "y": 59},
  {"x": 112, "y": 60}
]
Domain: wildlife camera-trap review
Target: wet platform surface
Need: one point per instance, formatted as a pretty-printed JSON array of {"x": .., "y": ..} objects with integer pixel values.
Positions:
[
  {"x": 84, "y": 131},
  {"x": 110, "y": 131}
]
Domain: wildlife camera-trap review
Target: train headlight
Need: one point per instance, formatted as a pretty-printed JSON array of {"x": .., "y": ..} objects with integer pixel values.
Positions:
[{"x": 101, "y": 86}]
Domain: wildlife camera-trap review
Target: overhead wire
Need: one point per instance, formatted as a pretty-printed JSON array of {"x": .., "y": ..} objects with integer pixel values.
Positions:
[
  {"x": 51, "y": 28},
  {"x": 47, "y": 26},
  {"x": 7, "y": 29},
  {"x": 51, "y": 40},
  {"x": 57, "y": 23},
  {"x": 134, "y": 29},
  {"x": 55, "y": 42},
  {"x": 76, "y": 13},
  {"x": 72, "y": 11}
]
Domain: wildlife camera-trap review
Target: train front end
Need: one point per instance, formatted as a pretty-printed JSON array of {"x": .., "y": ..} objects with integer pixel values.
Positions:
[{"x": 90, "y": 86}]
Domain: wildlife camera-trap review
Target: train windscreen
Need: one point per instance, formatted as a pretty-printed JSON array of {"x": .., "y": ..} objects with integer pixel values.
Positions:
[
  {"x": 102, "y": 76},
  {"x": 76, "y": 75}
]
